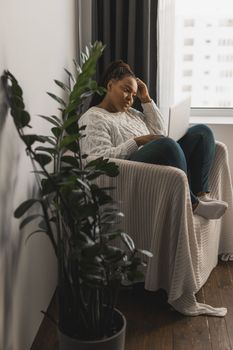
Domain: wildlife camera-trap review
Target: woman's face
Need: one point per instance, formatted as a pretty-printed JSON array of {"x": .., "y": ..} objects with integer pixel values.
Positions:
[{"x": 121, "y": 93}]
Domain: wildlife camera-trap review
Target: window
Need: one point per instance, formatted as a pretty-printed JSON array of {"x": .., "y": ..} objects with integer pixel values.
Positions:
[
  {"x": 189, "y": 22},
  {"x": 226, "y": 73},
  {"x": 187, "y": 88},
  {"x": 225, "y": 58},
  {"x": 188, "y": 57},
  {"x": 188, "y": 42},
  {"x": 226, "y": 22},
  {"x": 187, "y": 73},
  {"x": 203, "y": 63}
]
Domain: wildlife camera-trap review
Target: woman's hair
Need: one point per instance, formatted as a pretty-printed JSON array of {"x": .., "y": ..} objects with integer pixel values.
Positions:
[{"x": 116, "y": 70}]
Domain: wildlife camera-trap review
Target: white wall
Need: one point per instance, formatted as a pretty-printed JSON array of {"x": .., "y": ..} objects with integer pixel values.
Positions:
[{"x": 37, "y": 39}]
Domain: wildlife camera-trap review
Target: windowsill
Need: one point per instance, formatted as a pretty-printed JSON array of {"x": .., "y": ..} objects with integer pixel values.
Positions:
[{"x": 212, "y": 120}]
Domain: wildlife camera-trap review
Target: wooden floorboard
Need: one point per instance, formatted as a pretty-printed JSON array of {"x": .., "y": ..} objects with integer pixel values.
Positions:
[
  {"x": 153, "y": 325},
  {"x": 217, "y": 325}
]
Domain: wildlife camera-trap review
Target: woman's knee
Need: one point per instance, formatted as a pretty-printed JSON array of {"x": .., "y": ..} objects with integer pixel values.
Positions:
[
  {"x": 173, "y": 153},
  {"x": 202, "y": 130},
  {"x": 169, "y": 145}
]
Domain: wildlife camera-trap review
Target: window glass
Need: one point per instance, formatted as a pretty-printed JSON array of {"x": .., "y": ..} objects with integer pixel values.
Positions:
[{"x": 204, "y": 52}]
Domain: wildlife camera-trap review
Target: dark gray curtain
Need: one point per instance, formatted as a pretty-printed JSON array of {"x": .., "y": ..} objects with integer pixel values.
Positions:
[{"x": 129, "y": 29}]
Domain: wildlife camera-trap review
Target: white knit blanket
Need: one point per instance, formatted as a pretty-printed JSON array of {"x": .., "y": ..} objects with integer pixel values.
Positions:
[{"x": 158, "y": 215}]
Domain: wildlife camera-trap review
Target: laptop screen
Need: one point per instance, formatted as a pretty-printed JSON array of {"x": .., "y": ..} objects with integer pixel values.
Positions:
[{"x": 179, "y": 115}]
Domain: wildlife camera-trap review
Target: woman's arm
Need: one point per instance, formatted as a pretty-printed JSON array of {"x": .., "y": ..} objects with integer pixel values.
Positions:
[
  {"x": 98, "y": 141},
  {"x": 153, "y": 118},
  {"x": 151, "y": 114}
]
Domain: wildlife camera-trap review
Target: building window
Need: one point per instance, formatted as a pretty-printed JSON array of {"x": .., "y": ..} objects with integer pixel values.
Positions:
[
  {"x": 187, "y": 72},
  {"x": 188, "y": 57},
  {"x": 189, "y": 22},
  {"x": 226, "y": 22},
  {"x": 186, "y": 88},
  {"x": 225, "y": 42},
  {"x": 188, "y": 42}
]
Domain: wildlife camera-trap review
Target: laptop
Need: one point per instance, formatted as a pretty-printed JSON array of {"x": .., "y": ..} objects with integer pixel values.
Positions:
[{"x": 178, "y": 122}]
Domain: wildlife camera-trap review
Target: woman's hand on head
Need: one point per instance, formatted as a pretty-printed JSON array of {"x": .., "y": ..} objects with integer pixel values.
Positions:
[
  {"x": 142, "y": 140},
  {"x": 142, "y": 92}
]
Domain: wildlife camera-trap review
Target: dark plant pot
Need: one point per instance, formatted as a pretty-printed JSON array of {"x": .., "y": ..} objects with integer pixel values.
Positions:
[{"x": 115, "y": 342}]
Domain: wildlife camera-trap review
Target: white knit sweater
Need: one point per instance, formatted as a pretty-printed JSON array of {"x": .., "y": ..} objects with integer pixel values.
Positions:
[{"x": 112, "y": 134}]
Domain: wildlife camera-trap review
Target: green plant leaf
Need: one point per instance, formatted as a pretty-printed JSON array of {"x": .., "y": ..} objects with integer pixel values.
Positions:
[
  {"x": 87, "y": 210},
  {"x": 109, "y": 168},
  {"x": 56, "y": 98},
  {"x": 93, "y": 175},
  {"x": 23, "y": 207},
  {"x": 69, "y": 74},
  {"x": 31, "y": 138},
  {"x": 16, "y": 102},
  {"x": 112, "y": 253},
  {"x": 73, "y": 147},
  {"x": 62, "y": 85},
  {"x": 10, "y": 76},
  {"x": 77, "y": 66},
  {"x": 92, "y": 250},
  {"x": 128, "y": 241},
  {"x": 21, "y": 117},
  {"x": 47, "y": 186},
  {"x": 145, "y": 252},
  {"x": 16, "y": 89},
  {"x": 49, "y": 150},
  {"x": 67, "y": 140},
  {"x": 42, "y": 159},
  {"x": 28, "y": 219},
  {"x": 56, "y": 131},
  {"x": 70, "y": 160},
  {"x": 72, "y": 129},
  {"x": 50, "y": 119},
  {"x": 71, "y": 120}
]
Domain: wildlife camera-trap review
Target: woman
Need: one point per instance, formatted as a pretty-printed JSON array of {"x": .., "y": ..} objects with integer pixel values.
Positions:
[{"x": 114, "y": 129}]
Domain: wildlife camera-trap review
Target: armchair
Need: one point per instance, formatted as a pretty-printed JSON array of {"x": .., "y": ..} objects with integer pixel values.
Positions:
[{"x": 158, "y": 215}]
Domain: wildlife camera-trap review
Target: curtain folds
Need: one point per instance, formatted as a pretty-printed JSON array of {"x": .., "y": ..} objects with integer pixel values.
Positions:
[
  {"x": 165, "y": 55},
  {"x": 128, "y": 28}
]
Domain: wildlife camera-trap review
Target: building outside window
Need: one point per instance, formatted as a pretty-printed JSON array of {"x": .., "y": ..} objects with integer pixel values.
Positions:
[{"x": 204, "y": 52}]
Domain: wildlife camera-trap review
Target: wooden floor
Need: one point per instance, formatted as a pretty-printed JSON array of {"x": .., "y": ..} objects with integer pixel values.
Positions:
[{"x": 153, "y": 325}]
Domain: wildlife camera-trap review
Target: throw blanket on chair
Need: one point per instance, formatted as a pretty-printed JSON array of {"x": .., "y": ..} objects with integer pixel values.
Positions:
[{"x": 158, "y": 216}]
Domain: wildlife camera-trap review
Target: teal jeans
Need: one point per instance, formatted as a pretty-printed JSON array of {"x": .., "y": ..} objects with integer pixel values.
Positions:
[{"x": 193, "y": 153}]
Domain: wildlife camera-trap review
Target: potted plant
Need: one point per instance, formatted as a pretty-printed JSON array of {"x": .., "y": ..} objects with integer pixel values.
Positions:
[{"x": 78, "y": 216}]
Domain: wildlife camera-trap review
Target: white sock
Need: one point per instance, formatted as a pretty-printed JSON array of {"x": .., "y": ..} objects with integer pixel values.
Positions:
[
  {"x": 206, "y": 198},
  {"x": 211, "y": 209}
]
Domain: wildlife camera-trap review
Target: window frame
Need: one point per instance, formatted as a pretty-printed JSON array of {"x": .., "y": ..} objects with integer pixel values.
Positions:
[{"x": 212, "y": 112}]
